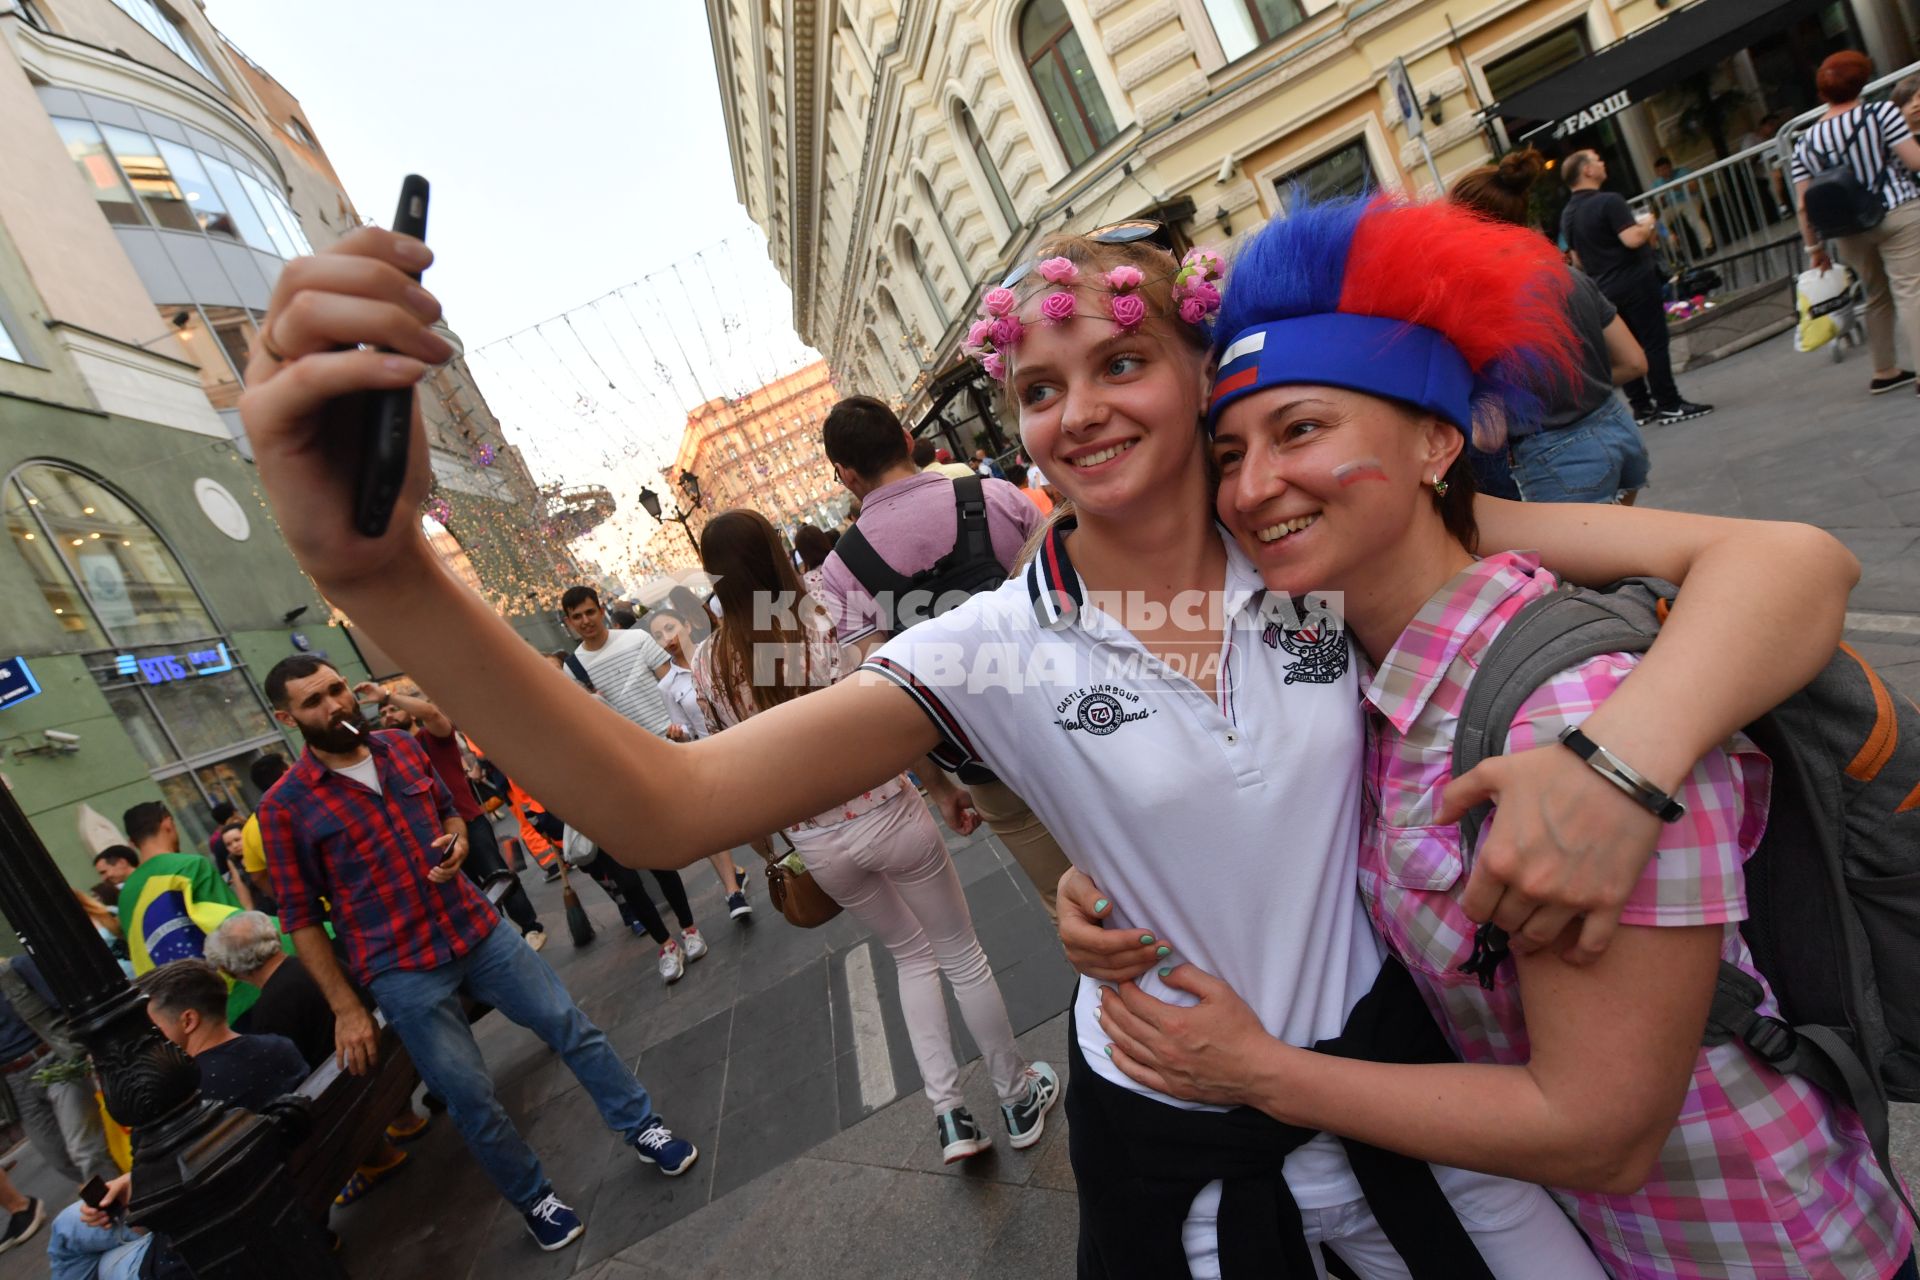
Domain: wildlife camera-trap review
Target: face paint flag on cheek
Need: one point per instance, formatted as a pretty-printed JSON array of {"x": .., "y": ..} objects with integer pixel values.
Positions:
[{"x": 1352, "y": 473}]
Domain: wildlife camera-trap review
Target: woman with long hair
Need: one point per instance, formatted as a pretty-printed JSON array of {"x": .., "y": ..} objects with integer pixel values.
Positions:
[
  {"x": 1338, "y": 460},
  {"x": 878, "y": 854},
  {"x": 1584, "y": 446},
  {"x": 1135, "y": 692}
]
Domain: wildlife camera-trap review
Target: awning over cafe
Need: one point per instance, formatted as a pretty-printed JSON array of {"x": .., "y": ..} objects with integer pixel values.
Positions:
[{"x": 1651, "y": 59}]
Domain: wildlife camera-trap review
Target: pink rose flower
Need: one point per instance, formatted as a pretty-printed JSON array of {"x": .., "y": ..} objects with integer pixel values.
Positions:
[
  {"x": 1192, "y": 310},
  {"x": 1058, "y": 271},
  {"x": 998, "y": 302},
  {"x": 1007, "y": 332},
  {"x": 994, "y": 367},
  {"x": 980, "y": 333},
  {"x": 1057, "y": 308},
  {"x": 1204, "y": 261},
  {"x": 1206, "y": 291},
  {"x": 1129, "y": 309},
  {"x": 1124, "y": 277}
]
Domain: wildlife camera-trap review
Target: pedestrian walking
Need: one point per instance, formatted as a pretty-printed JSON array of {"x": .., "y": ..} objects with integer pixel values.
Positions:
[
  {"x": 1874, "y": 143},
  {"x": 1584, "y": 446},
  {"x": 1615, "y": 247},
  {"x": 46, "y": 1074},
  {"x": 671, "y": 632},
  {"x": 878, "y": 854},
  {"x": 363, "y": 822}
]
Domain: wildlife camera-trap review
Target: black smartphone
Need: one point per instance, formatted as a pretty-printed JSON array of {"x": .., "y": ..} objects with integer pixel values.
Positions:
[
  {"x": 387, "y": 428},
  {"x": 96, "y": 1191}
]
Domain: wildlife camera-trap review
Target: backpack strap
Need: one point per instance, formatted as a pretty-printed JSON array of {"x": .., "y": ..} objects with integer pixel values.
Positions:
[
  {"x": 1817, "y": 1054},
  {"x": 880, "y": 579},
  {"x": 577, "y": 670},
  {"x": 972, "y": 540}
]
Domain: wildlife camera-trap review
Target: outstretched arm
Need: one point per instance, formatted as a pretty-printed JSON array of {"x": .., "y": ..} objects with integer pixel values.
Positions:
[
  {"x": 1762, "y": 610},
  {"x": 327, "y": 315}
]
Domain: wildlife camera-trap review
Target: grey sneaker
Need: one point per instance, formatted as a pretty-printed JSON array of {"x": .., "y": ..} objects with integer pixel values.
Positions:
[
  {"x": 960, "y": 1137},
  {"x": 1027, "y": 1118}
]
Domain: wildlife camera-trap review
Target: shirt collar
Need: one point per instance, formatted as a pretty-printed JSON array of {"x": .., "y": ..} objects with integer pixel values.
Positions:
[
  {"x": 1407, "y": 677},
  {"x": 1058, "y": 595}
]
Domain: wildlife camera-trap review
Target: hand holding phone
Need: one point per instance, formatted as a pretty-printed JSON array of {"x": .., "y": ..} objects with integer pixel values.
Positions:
[{"x": 387, "y": 429}]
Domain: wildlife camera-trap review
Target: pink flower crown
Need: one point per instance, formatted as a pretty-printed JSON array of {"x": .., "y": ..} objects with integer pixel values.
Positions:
[{"x": 998, "y": 330}]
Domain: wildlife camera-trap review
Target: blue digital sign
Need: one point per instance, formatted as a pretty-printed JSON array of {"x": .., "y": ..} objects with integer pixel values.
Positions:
[
  {"x": 16, "y": 682},
  {"x": 169, "y": 666}
]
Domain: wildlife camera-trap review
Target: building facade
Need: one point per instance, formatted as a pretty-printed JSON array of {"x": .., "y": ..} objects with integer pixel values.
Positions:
[
  {"x": 157, "y": 181},
  {"x": 759, "y": 450},
  {"x": 902, "y": 156}
]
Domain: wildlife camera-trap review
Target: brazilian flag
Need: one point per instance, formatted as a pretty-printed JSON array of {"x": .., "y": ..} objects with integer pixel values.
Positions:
[{"x": 168, "y": 906}]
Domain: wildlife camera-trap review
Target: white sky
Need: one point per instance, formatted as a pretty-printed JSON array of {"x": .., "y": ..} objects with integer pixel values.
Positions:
[{"x": 575, "y": 147}]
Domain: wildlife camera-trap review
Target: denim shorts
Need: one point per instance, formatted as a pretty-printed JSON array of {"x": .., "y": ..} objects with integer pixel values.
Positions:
[{"x": 1592, "y": 460}]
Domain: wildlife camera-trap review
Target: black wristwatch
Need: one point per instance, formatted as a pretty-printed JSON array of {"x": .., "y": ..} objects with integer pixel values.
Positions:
[{"x": 1623, "y": 775}]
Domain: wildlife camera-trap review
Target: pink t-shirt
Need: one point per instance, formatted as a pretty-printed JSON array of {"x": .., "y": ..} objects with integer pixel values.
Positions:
[{"x": 912, "y": 523}]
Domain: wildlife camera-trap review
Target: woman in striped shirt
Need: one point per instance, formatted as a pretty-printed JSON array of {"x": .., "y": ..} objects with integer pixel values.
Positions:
[{"x": 1874, "y": 140}]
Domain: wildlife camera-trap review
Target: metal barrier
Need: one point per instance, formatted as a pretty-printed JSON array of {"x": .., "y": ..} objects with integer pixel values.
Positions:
[{"x": 1735, "y": 218}]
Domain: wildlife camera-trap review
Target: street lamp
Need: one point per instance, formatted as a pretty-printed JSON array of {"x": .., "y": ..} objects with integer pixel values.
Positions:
[
  {"x": 212, "y": 1178},
  {"x": 651, "y": 502}
]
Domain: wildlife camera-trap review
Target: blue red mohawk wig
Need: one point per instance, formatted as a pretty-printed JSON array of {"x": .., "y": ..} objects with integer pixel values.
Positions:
[{"x": 1430, "y": 304}]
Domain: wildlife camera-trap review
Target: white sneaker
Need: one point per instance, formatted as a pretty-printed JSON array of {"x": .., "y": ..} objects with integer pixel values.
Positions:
[
  {"x": 536, "y": 938},
  {"x": 695, "y": 945},
  {"x": 672, "y": 966}
]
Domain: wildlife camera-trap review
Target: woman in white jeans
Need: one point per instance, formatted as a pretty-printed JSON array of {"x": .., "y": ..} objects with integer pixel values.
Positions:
[{"x": 877, "y": 854}]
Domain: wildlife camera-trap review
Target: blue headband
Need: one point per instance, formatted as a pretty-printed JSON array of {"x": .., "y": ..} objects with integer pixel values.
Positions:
[{"x": 1372, "y": 354}]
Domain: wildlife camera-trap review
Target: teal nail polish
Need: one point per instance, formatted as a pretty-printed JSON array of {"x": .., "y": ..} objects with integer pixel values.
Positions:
[
  {"x": 1100, "y": 906},
  {"x": 1146, "y": 939},
  {"x": 1166, "y": 973},
  {"x": 1109, "y": 1051},
  {"x": 1163, "y": 951}
]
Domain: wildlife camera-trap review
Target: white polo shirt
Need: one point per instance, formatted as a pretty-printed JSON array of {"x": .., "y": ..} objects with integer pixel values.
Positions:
[
  {"x": 622, "y": 670},
  {"x": 1229, "y": 826}
]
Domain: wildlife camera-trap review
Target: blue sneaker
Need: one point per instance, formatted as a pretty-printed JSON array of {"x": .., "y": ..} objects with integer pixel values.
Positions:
[
  {"x": 1027, "y": 1118},
  {"x": 554, "y": 1226},
  {"x": 657, "y": 1145}
]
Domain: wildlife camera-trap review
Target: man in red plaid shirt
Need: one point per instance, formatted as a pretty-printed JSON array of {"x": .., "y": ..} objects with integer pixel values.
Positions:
[{"x": 362, "y": 832}]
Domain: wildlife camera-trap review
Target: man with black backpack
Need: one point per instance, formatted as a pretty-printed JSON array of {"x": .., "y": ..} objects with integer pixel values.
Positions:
[
  {"x": 1616, "y": 248},
  {"x": 923, "y": 543}
]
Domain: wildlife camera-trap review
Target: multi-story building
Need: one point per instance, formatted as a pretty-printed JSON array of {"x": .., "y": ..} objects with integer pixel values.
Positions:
[
  {"x": 902, "y": 155},
  {"x": 759, "y": 450},
  {"x": 156, "y": 182}
]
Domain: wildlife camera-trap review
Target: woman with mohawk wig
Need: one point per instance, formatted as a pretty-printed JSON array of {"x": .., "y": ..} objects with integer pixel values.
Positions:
[
  {"x": 1168, "y": 749},
  {"x": 1359, "y": 345}
]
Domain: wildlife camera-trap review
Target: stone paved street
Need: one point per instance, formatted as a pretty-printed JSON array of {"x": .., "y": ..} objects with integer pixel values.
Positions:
[{"x": 783, "y": 1054}]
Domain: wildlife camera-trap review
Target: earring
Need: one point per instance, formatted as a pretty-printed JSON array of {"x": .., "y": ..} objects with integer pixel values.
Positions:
[{"x": 1439, "y": 486}]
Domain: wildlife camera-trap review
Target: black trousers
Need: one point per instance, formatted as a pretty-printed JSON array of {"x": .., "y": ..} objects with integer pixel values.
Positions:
[
  {"x": 1646, "y": 319},
  {"x": 484, "y": 863},
  {"x": 624, "y": 886}
]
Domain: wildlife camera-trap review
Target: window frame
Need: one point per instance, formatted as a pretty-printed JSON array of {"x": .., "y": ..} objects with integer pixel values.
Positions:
[
  {"x": 171, "y": 32},
  {"x": 1275, "y": 179},
  {"x": 982, "y": 152},
  {"x": 1049, "y": 50}
]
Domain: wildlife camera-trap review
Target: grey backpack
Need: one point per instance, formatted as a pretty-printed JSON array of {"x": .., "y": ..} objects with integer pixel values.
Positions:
[{"x": 1833, "y": 891}]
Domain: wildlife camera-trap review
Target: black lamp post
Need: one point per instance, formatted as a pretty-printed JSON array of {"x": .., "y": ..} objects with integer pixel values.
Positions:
[
  {"x": 212, "y": 1179},
  {"x": 690, "y": 486}
]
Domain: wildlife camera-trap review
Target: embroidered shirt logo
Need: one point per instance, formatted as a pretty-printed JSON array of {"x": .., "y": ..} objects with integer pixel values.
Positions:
[
  {"x": 1321, "y": 652},
  {"x": 1100, "y": 709}
]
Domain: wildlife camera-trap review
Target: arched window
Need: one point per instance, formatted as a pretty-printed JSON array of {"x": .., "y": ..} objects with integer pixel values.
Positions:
[
  {"x": 1063, "y": 76},
  {"x": 906, "y": 246},
  {"x": 924, "y": 189},
  {"x": 977, "y": 144},
  {"x": 171, "y": 675},
  {"x": 890, "y": 311}
]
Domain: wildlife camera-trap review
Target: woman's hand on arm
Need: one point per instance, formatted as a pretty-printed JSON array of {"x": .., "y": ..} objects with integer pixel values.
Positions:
[
  {"x": 1103, "y": 954},
  {"x": 1613, "y": 1048},
  {"x": 1760, "y": 614}
]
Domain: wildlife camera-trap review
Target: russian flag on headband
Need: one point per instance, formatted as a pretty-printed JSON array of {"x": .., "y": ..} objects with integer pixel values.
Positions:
[{"x": 1239, "y": 365}]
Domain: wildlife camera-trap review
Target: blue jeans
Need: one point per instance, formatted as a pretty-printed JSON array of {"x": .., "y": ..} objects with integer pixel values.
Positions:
[
  {"x": 423, "y": 1007},
  {"x": 1591, "y": 460},
  {"x": 76, "y": 1251}
]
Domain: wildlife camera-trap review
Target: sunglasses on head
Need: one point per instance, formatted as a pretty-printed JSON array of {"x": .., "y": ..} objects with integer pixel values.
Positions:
[{"x": 1130, "y": 232}]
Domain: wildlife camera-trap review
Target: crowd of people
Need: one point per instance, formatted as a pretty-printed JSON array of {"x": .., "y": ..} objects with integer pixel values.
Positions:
[{"x": 1316, "y": 1027}]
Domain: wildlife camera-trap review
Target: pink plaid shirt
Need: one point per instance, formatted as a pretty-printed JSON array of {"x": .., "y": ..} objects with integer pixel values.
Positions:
[{"x": 1764, "y": 1175}]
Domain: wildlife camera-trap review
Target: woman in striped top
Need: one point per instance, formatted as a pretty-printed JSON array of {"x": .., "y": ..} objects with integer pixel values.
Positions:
[{"x": 1876, "y": 142}]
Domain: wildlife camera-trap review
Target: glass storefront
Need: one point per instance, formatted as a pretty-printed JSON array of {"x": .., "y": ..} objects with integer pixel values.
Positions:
[{"x": 170, "y": 674}]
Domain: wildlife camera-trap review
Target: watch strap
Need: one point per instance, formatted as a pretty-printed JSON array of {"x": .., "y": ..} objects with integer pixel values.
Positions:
[{"x": 1623, "y": 775}]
